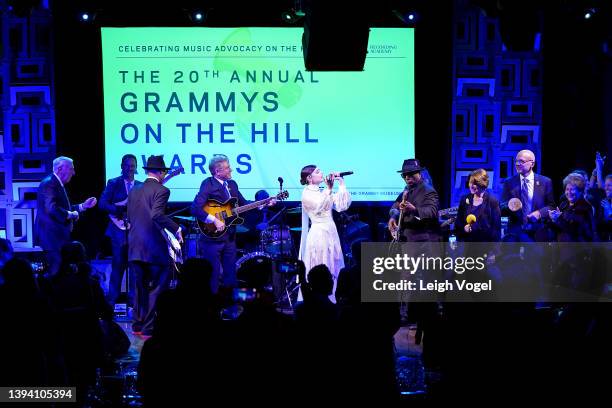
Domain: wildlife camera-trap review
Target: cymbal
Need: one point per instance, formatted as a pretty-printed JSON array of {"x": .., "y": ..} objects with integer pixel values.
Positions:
[
  {"x": 185, "y": 217},
  {"x": 298, "y": 229},
  {"x": 241, "y": 229},
  {"x": 295, "y": 210}
]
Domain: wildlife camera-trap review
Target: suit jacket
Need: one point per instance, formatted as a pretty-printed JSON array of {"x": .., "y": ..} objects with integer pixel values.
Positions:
[
  {"x": 422, "y": 225},
  {"x": 146, "y": 213},
  {"x": 576, "y": 223},
  {"x": 487, "y": 227},
  {"x": 114, "y": 193},
  {"x": 543, "y": 197},
  {"x": 212, "y": 189},
  {"x": 52, "y": 227}
]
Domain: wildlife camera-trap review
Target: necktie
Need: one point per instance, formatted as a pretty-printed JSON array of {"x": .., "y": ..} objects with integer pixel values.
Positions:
[
  {"x": 226, "y": 189},
  {"x": 525, "y": 196},
  {"x": 129, "y": 186}
]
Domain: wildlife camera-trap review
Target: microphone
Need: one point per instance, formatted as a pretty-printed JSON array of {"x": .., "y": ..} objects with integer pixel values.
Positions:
[
  {"x": 470, "y": 219},
  {"x": 345, "y": 173},
  {"x": 280, "y": 181}
]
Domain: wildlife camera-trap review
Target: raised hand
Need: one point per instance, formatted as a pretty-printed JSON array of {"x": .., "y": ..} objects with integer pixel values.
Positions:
[
  {"x": 329, "y": 180},
  {"x": 599, "y": 161},
  {"x": 554, "y": 214},
  {"x": 90, "y": 202}
]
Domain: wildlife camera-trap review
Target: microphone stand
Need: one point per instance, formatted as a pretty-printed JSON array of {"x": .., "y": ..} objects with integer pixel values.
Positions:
[
  {"x": 128, "y": 285},
  {"x": 280, "y": 182}
]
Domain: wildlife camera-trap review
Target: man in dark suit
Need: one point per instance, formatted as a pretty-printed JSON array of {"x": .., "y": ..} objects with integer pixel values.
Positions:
[
  {"x": 148, "y": 249},
  {"x": 114, "y": 202},
  {"x": 55, "y": 215},
  {"x": 536, "y": 196},
  {"x": 420, "y": 207},
  {"x": 218, "y": 251}
]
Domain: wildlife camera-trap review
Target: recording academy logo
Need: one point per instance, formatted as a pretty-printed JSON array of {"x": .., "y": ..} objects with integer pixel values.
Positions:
[{"x": 385, "y": 49}]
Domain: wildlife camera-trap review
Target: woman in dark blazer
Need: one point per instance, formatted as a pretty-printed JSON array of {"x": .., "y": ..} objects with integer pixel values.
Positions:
[
  {"x": 574, "y": 220},
  {"x": 486, "y": 220}
]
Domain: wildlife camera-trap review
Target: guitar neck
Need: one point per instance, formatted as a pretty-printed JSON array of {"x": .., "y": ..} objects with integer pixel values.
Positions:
[
  {"x": 447, "y": 211},
  {"x": 250, "y": 206}
]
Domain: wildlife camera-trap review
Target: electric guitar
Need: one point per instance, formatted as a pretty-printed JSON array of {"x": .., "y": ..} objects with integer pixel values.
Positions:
[
  {"x": 228, "y": 213},
  {"x": 121, "y": 222},
  {"x": 396, "y": 234},
  {"x": 448, "y": 212},
  {"x": 174, "y": 247}
]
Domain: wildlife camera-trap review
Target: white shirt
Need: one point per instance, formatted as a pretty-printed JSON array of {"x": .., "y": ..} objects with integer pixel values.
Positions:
[{"x": 128, "y": 185}]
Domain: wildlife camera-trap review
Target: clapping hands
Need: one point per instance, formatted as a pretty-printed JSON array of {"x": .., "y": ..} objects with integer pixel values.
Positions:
[{"x": 89, "y": 203}]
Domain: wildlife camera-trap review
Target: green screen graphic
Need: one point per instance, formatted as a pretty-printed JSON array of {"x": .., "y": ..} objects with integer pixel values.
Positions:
[{"x": 190, "y": 93}]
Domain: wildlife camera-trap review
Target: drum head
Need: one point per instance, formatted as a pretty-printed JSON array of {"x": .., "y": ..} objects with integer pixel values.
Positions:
[
  {"x": 274, "y": 240},
  {"x": 254, "y": 270}
]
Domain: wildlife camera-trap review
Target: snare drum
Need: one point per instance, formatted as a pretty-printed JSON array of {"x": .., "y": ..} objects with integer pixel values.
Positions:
[{"x": 272, "y": 238}]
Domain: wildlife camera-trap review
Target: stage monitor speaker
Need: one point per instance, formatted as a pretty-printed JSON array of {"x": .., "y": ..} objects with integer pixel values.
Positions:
[{"x": 335, "y": 36}]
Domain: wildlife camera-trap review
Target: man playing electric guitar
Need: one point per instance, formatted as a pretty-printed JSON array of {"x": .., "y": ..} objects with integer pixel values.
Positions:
[
  {"x": 220, "y": 251},
  {"x": 114, "y": 202}
]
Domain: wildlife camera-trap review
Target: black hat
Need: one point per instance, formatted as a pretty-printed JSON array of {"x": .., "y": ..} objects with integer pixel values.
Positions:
[
  {"x": 411, "y": 166},
  {"x": 156, "y": 163}
]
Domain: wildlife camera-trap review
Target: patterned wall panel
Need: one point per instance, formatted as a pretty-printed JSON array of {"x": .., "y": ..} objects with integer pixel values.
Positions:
[
  {"x": 24, "y": 194},
  {"x": 466, "y": 35},
  {"x": 19, "y": 227},
  {"x": 27, "y": 119},
  {"x": 5, "y": 75},
  {"x": 497, "y": 103},
  {"x": 488, "y": 122}
]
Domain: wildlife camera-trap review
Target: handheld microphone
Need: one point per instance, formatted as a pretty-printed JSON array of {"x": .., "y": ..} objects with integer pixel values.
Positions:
[
  {"x": 345, "y": 173},
  {"x": 280, "y": 181},
  {"x": 470, "y": 219}
]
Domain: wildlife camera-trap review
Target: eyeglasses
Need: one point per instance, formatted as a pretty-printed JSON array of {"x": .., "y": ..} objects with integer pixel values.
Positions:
[{"x": 521, "y": 162}]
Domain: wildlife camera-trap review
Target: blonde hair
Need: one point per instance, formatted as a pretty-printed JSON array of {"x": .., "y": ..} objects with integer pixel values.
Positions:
[{"x": 480, "y": 178}]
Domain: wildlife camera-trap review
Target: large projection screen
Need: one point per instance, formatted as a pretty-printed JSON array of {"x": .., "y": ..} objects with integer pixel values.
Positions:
[{"x": 190, "y": 93}]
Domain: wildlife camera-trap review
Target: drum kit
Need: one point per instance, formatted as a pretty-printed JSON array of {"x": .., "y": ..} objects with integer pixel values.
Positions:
[
  {"x": 274, "y": 250},
  {"x": 274, "y": 241}
]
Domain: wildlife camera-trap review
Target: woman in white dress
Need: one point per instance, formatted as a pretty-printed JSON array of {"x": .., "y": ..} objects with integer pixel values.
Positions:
[{"x": 320, "y": 243}]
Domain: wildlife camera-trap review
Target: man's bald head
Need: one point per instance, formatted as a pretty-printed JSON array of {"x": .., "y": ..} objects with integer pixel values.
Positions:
[{"x": 525, "y": 160}]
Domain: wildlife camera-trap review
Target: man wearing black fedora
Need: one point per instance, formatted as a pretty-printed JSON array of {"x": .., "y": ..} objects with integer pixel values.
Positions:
[
  {"x": 148, "y": 250},
  {"x": 419, "y": 207},
  {"x": 418, "y": 204}
]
